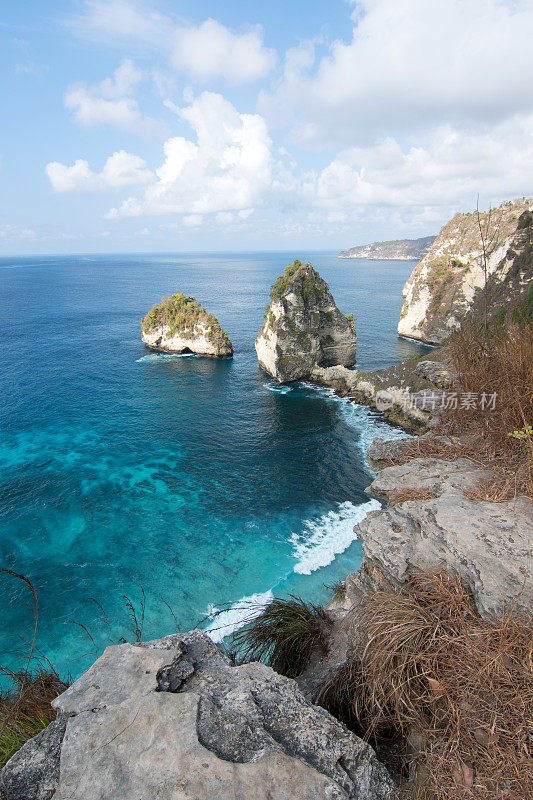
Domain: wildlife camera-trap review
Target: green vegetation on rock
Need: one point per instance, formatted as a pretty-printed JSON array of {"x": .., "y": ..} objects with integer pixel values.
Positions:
[{"x": 182, "y": 314}]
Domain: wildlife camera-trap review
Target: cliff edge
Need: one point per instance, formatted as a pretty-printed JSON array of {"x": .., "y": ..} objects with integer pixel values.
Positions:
[
  {"x": 179, "y": 324},
  {"x": 303, "y": 328},
  {"x": 495, "y": 251}
]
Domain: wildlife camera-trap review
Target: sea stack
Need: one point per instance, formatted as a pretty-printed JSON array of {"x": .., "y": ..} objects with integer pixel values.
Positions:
[
  {"x": 179, "y": 324},
  {"x": 303, "y": 328}
]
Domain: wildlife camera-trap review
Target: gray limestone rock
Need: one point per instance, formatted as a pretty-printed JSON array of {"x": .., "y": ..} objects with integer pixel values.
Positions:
[
  {"x": 487, "y": 544},
  {"x": 225, "y": 732},
  {"x": 435, "y": 372},
  {"x": 33, "y": 772}
]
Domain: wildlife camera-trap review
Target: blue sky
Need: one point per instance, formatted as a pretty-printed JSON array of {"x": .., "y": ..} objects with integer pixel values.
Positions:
[{"x": 140, "y": 126}]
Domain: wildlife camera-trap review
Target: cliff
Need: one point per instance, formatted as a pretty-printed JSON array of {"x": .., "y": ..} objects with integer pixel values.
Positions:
[
  {"x": 179, "y": 324},
  {"x": 303, "y": 328},
  {"x": 467, "y": 255},
  {"x": 395, "y": 250}
]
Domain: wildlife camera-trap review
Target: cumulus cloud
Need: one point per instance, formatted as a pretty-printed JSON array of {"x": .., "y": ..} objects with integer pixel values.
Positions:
[
  {"x": 206, "y": 51},
  {"x": 448, "y": 169},
  {"x": 210, "y": 50},
  {"x": 227, "y": 168},
  {"x": 111, "y": 102},
  {"x": 409, "y": 63},
  {"x": 121, "y": 169}
]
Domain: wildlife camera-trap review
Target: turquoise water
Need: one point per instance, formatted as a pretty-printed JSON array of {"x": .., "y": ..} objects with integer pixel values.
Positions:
[{"x": 199, "y": 480}]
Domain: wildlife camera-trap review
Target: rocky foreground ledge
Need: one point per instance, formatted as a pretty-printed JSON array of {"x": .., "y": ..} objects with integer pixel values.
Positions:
[
  {"x": 179, "y": 324},
  {"x": 173, "y": 719},
  {"x": 431, "y": 523}
]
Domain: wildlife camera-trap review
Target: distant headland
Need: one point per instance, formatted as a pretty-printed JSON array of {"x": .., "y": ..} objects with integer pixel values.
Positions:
[{"x": 397, "y": 249}]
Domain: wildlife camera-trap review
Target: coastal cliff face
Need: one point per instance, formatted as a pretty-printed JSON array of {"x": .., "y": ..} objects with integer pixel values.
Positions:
[
  {"x": 396, "y": 250},
  {"x": 179, "y": 324},
  {"x": 445, "y": 286},
  {"x": 303, "y": 328}
]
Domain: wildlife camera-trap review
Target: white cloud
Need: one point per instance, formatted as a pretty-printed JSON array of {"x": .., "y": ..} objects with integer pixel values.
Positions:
[
  {"x": 113, "y": 19},
  {"x": 410, "y": 63},
  {"x": 112, "y": 102},
  {"x": 16, "y": 232},
  {"x": 227, "y": 168},
  {"x": 121, "y": 169},
  {"x": 210, "y": 51},
  {"x": 206, "y": 51},
  {"x": 446, "y": 168}
]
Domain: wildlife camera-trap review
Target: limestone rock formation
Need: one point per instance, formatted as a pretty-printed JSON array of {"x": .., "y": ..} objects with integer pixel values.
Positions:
[
  {"x": 224, "y": 732},
  {"x": 487, "y": 544},
  {"x": 415, "y": 412},
  {"x": 179, "y": 324},
  {"x": 303, "y": 328},
  {"x": 445, "y": 285},
  {"x": 395, "y": 250}
]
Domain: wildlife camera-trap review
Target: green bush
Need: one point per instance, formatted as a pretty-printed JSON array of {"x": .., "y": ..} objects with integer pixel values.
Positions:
[{"x": 285, "y": 635}]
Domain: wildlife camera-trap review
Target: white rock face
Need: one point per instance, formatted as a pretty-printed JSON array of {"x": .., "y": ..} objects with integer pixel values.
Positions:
[
  {"x": 303, "y": 328},
  {"x": 441, "y": 289},
  {"x": 162, "y": 339}
]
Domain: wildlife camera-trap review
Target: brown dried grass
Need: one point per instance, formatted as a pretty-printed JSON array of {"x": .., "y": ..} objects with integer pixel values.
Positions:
[
  {"x": 404, "y": 495},
  {"x": 429, "y": 664},
  {"x": 502, "y": 362},
  {"x": 25, "y": 707}
]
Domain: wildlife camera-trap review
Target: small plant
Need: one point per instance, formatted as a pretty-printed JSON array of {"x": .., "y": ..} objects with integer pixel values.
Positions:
[
  {"x": 338, "y": 590},
  {"x": 525, "y": 434},
  {"x": 25, "y": 707},
  {"x": 284, "y": 635}
]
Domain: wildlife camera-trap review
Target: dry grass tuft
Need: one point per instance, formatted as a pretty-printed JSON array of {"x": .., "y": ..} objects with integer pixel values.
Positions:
[
  {"x": 431, "y": 666},
  {"x": 284, "y": 635},
  {"x": 404, "y": 495},
  {"x": 25, "y": 709},
  {"x": 500, "y": 439}
]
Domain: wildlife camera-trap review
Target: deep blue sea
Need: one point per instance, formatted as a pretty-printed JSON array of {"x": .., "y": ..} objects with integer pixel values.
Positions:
[{"x": 199, "y": 480}]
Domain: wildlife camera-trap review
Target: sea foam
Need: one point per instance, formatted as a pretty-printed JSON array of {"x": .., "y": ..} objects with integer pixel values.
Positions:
[
  {"x": 227, "y": 622},
  {"x": 163, "y": 357},
  {"x": 329, "y": 535}
]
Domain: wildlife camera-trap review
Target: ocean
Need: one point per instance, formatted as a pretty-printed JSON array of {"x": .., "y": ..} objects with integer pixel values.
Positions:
[{"x": 198, "y": 482}]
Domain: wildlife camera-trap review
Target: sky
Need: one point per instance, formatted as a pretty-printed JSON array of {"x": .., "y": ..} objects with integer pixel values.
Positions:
[{"x": 179, "y": 125}]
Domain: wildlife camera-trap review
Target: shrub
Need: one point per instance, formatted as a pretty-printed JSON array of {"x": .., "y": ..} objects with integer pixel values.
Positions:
[{"x": 284, "y": 635}]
